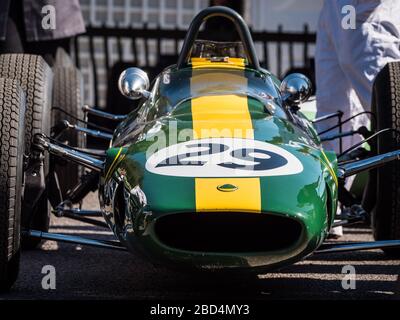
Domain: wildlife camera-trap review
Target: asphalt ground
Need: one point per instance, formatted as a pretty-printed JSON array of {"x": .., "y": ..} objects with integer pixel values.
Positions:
[{"x": 91, "y": 273}]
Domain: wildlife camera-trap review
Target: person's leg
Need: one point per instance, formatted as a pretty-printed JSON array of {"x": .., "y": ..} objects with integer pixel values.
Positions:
[
  {"x": 15, "y": 33},
  {"x": 13, "y": 42},
  {"x": 363, "y": 52},
  {"x": 48, "y": 49},
  {"x": 333, "y": 90}
]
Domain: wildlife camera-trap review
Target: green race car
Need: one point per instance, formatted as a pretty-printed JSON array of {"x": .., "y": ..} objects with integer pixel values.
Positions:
[{"x": 218, "y": 169}]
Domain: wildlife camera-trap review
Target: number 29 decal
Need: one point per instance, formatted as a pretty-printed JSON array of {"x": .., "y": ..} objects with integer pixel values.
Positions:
[{"x": 223, "y": 157}]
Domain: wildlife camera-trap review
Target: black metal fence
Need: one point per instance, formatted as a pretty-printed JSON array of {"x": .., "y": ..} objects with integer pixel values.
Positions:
[{"x": 101, "y": 49}]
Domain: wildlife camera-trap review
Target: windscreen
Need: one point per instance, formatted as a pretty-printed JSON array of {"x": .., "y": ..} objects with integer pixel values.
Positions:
[
  {"x": 174, "y": 88},
  {"x": 217, "y": 50}
]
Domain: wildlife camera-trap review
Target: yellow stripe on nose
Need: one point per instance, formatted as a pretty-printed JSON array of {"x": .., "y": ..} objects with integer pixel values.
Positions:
[
  {"x": 223, "y": 116},
  {"x": 246, "y": 198}
]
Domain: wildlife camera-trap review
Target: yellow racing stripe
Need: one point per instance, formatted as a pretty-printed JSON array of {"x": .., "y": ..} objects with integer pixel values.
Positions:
[
  {"x": 113, "y": 163},
  {"x": 231, "y": 63},
  {"x": 220, "y": 116},
  {"x": 330, "y": 169},
  {"x": 247, "y": 197}
]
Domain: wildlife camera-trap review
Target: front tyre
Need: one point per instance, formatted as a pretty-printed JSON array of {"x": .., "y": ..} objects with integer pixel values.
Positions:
[
  {"x": 386, "y": 104},
  {"x": 67, "y": 105},
  {"x": 35, "y": 77},
  {"x": 12, "y": 113}
]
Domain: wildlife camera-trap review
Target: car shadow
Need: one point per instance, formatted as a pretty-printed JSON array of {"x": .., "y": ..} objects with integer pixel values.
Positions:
[{"x": 93, "y": 273}]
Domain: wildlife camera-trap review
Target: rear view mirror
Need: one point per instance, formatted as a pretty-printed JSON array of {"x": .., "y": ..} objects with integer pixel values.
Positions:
[
  {"x": 134, "y": 83},
  {"x": 296, "y": 88}
]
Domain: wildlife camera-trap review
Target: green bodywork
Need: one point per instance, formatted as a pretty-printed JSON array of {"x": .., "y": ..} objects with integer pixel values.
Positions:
[{"x": 134, "y": 198}]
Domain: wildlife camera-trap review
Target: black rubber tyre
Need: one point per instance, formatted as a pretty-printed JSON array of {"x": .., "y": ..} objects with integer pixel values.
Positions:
[
  {"x": 12, "y": 113},
  {"x": 386, "y": 102},
  {"x": 40, "y": 221},
  {"x": 35, "y": 77},
  {"x": 63, "y": 59},
  {"x": 67, "y": 95}
]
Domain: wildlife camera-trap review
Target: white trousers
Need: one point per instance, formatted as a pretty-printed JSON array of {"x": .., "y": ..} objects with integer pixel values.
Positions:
[{"x": 348, "y": 60}]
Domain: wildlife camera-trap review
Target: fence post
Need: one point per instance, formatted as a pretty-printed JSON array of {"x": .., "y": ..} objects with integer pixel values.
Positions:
[
  {"x": 291, "y": 55},
  {"x": 119, "y": 48},
  {"x": 146, "y": 46},
  {"x": 305, "y": 52},
  {"x": 94, "y": 69},
  {"x": 106, "y": 54},
  {"x": 134, "y": 48},
  {"x": 279, "y": 51},
  {"x": 266, "y": 54},
  {"x": 176, "y": 41},
  {"x": 158, "y": 44}
]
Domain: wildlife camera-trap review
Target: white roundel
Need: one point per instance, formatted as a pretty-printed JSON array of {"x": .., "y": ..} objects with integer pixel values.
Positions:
[{"x": 223, "y": 157}]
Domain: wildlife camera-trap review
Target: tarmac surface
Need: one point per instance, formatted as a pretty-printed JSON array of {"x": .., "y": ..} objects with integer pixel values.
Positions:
[{"x": 91, "y": 273}]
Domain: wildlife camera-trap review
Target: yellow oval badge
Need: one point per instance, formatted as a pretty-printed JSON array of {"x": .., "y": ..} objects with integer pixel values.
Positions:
[{"x": 227, "y": 187}]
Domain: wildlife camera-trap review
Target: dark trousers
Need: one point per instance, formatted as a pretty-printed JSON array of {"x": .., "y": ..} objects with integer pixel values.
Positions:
[{"x": 15, "y": 41}]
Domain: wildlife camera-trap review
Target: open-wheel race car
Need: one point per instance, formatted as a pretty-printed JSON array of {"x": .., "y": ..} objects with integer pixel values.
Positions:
[{"x": 217, "y": 169}]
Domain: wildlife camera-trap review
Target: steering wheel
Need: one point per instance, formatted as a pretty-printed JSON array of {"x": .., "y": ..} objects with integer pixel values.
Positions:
[{"x": 241, "y": 27}]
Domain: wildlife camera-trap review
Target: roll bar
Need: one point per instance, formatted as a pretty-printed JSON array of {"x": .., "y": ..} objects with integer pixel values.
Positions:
[{"x": 228, "y": 13}]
